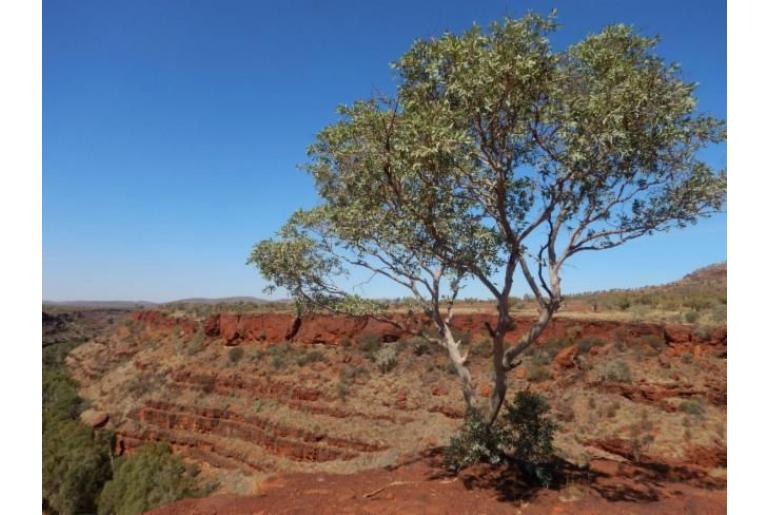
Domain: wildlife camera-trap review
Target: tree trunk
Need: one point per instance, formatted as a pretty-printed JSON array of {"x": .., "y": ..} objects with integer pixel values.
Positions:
[
  {"x": 458, "y": 360},
  {"x": 499, "y": 391}
]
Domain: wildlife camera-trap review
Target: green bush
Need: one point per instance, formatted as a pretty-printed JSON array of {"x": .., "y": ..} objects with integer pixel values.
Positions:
[
  {"x": 531, "y": 435},
  {"x": 539, "y": 373},
  {"x": 476, "y": 442},
  {"x": 691, "y": 316},
  {"x": 279, "y": 355},
  {"x": 692, "y": 407},
  {"x": 234, "y": 355},
  {"x": 369, "y": 344},
  {"x": 146, "y": 479},
  {"x": 386, "y": 359},
  {"x": 196, "y": 344},
  {"x": 313, "y": 356},
  {"x": 616, "y": 371},
  {"x": 523, "y": 435},
  {"x": 586, "y": 344}
]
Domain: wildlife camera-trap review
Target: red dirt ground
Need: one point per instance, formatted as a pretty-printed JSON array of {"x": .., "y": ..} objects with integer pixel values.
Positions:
[{"x": 421, "y": 487}]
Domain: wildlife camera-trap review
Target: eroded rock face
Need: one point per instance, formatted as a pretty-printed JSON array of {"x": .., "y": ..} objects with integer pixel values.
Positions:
[
  {"x": 677, "y": 333},
  {"x": 233, "y": 329}
]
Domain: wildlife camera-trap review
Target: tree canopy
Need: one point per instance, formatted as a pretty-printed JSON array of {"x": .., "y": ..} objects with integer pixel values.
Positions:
[{"x": 497, "y": 153}]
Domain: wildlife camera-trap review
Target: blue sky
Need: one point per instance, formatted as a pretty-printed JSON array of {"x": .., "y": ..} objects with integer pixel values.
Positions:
[{"x": 172, "y": 130}]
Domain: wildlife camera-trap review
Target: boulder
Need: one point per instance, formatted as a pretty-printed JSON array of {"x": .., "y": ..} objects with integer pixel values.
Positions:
[
  {"x": 566, "y": 357},
  {"x": 94, "y": 419},
  {"x": 440, "y": 390},
  {"x": 677, "y": 333}
]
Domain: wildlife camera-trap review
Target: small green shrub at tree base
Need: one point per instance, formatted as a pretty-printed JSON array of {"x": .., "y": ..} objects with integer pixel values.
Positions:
[
  {"x": 523, "y": 436},
  {"x": 476, "y": 442},
  {"x": 146, "y": 479},
  {"x": 531, "y": 436}
]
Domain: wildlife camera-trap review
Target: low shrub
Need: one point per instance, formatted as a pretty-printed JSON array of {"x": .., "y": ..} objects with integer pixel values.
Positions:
[
  {"x": 615, "y": 371},
  {"x": 539, "y": 373},
  {"x": 586, "y": 344},
  {"x": 691, "y": 316},
  {"x": 196, "y": 344},
  {"x": 234, "y": 355},
  {"x": 386, "y": 359},
  {"x": 523, "y": 436},
  {"x": 531, "y": 436},
  {"x": 313, "y": 356},
  {"x": 476, "y": 442},
  {"x": 692, "y": 407},
  {"x": 279, "y": 355},
  {"x": 369, "y": 344}
]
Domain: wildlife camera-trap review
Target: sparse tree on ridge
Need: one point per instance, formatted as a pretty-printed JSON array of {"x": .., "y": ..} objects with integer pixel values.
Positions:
[{"x": 497, "y": 153}]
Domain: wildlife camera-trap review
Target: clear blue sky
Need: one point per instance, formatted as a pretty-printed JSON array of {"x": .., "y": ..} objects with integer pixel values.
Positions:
[{"x": 172, "y": 130}]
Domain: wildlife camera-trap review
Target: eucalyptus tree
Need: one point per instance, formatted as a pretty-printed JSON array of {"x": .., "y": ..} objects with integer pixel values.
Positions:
[{"x": 498, "y": 154}]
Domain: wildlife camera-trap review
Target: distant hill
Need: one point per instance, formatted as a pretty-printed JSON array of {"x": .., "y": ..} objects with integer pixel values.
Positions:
[
  {"x": 99, "y": 304},
  {"x": 713, "y": 274},
  {"x": 128, "y": 304},
  {"x": 220, "y": 300},
  {"x": 700, "y": 296}
]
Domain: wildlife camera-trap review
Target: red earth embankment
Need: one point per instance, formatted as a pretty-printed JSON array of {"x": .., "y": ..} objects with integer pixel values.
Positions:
[{"x": 235, "y": 329}]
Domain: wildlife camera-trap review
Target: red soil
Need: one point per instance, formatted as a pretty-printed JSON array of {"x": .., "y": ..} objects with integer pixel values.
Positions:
[{"x": 420, "y": 487}]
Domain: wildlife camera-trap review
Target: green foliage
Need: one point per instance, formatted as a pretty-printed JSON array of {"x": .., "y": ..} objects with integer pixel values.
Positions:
[
  {"x": 280, "y": 355},
  {"x": 552, "y": 347},
  {"x": 606, "y": 123},
  {"x": 691, "y": 317},
  {"x": 386, "y": 359},
  {"x": 150, "y": 477},
  {"x": 491, "y": 136},
  {"x": 60, "y": 395},
  {"x": 693, "y": 407},
  {"x": 475, "y": 442},
  {"x": 523, "y": 436},
  {"x": 196, "y": 344},
  {"x": 538, "y": 373},
  {"x": 313, "y": 356},
  {"x": 615, "y": 371},
  {"x": 347, "y": 376},
  {"x": 421, "y": 346},
  {"x": 586, "y": 344},
  {"x": 75, "y": 465},
  {"x": 369, "y": 344},
  {"x": 531, "y": 433},
  {"x": 234, "y": 355}
]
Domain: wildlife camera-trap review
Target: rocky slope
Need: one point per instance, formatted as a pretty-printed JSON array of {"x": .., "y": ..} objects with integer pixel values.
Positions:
[{"x": 250, "y": 395}]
